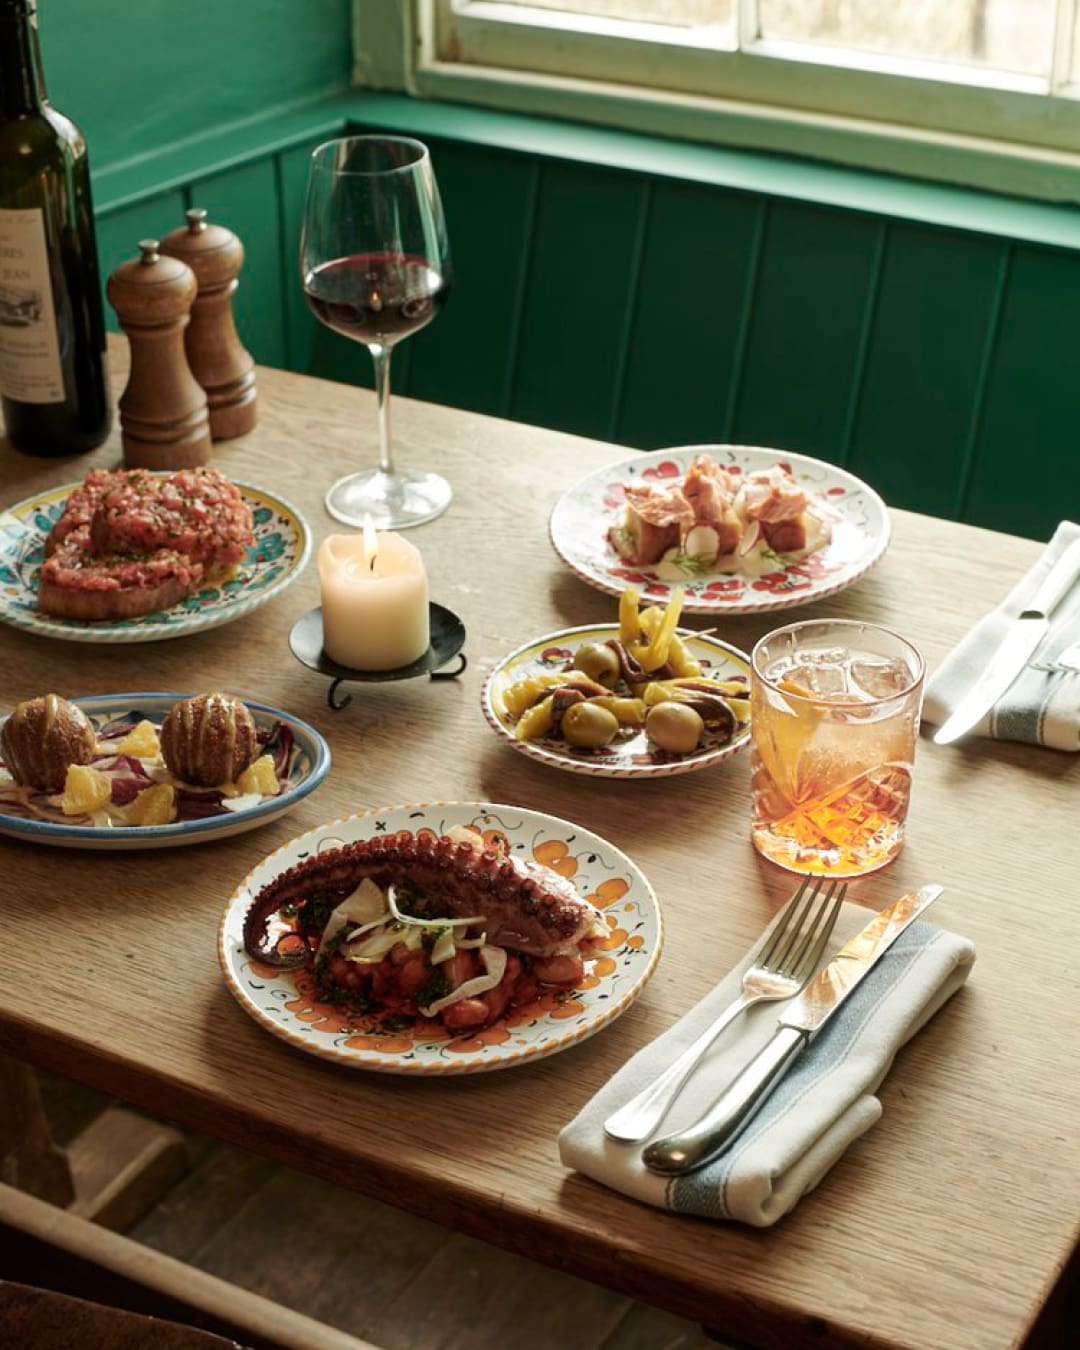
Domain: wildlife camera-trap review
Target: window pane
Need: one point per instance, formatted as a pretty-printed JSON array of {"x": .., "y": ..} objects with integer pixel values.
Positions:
[
  {"x": 1003, "y": 34},
  {"x": 676, "y": 13}
]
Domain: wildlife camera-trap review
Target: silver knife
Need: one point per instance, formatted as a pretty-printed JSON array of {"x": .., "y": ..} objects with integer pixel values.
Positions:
[
  {"x": 807, "y": 1014},
  {"x": 1023, "y": 637}
]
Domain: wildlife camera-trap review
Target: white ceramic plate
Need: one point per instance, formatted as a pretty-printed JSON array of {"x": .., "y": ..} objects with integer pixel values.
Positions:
[
  {"x": 308, "y": 764},
  {"x": 282, "y": 1002},
  {"x": 632, "y": 754},
  {"x": 860, "y": 532},
  {"x": 275, "y": 560}
]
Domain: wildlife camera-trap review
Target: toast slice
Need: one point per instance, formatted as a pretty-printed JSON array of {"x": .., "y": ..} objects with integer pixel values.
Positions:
[{"x": 78, "y": 583}]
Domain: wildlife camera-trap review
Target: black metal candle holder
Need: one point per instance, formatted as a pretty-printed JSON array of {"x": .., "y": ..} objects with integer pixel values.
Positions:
[{"x": 447, "y": 640}]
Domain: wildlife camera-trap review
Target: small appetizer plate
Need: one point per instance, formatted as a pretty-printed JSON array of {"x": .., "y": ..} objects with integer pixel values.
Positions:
[
  {"x": 306, "y": 765},
  {"x": 856, "y": 514},
  {"x": 282, "y": 1002},
  {"x": 278, "y": 555},
  {"x": 631, "y": 754}
]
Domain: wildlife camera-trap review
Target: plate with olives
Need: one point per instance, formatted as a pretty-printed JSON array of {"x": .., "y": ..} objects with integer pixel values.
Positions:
[{"x": 580, "y": 700}]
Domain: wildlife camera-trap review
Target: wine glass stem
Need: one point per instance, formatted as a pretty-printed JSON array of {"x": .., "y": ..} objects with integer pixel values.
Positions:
[{"x": 381, "y": 357}]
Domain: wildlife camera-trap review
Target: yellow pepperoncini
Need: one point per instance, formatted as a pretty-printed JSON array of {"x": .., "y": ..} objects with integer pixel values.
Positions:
[
  {"x": 655, "y": 654},
  {"x": 629, "y": 622}
]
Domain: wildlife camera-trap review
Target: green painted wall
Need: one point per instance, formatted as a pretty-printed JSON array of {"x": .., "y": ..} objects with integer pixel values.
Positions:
[{"x": 617, "y": 286}]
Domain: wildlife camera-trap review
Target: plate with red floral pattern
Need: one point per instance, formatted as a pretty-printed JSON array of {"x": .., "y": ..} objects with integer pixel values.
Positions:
[
  {"x": 857, "y": 521},
  {"x": 286, "y": 1002}
]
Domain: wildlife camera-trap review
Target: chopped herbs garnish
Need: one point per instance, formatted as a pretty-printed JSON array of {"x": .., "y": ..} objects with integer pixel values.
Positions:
[{"x": 438, "y": 986}]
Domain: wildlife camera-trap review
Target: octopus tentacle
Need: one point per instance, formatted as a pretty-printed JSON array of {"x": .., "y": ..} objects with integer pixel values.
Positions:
[{"x": 531, "y": 907}]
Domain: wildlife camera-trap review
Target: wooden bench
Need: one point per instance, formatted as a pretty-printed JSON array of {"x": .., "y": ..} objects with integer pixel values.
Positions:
[{"x": 101, "y": 1272}]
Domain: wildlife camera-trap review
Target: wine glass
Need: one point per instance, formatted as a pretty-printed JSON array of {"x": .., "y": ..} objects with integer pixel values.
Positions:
[{"x": 375, "y": 265}]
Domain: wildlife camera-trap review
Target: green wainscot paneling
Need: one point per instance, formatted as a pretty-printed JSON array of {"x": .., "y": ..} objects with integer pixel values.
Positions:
[
  {"x": 809, "y": 303},
  {"x": 1025, "y": 472},
  {"x": 583, "y": 269},
  {"x": 690, "y": 317}
]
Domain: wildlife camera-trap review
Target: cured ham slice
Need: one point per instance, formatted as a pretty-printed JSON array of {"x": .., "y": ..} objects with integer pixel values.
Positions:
[
  {"x": 655, "y": 520},
  {"x": 775, "y": 501},
  {"x": 710, "y": 490}
]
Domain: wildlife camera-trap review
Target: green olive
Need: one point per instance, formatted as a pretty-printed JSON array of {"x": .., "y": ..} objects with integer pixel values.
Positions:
[
  {"x": 599, "y": 662},
  {"x": 674, "y": 727},
  {"x": 589, "y": 726}
]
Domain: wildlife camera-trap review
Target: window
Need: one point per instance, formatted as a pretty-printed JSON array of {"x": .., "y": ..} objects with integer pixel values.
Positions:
[{"x": 984, "y": 91}]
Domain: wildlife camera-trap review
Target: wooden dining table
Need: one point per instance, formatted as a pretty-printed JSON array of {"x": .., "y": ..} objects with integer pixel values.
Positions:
[{"x": 950, "y": 1225}]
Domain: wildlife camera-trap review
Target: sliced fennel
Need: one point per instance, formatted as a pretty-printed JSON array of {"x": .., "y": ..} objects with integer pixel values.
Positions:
[
  {"x": 443, "y": 948},
  {"x": 242, "y": 802},
  {"x": 494, "y": 959},
  {"x": 375, "y": 947},
  {"x": 429, "y": 923},
  {"x": 365, "y": 906}
]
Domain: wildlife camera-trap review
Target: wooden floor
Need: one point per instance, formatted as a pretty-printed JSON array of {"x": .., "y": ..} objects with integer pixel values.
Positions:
[{"x": 400, "y": 1281}]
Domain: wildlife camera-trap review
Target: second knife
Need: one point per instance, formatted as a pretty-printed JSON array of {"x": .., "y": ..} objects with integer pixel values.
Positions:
[{"x": 807, "y": 1014}]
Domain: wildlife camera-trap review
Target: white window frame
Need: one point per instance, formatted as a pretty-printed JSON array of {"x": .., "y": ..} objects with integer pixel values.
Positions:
[{"x": 988, "y": 129}]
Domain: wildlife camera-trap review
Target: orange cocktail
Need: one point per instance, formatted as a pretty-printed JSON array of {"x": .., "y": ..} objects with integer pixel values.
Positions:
[{"x": 835, "y": 717}]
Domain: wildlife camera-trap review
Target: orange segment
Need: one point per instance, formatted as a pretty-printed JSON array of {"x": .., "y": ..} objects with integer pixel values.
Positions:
[{"x": 782, "y": 738}]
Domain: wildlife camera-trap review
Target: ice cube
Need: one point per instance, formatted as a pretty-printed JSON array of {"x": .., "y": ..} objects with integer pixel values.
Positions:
[
  {"x": 879, "y": 679},
  {"x": 816, "y": 676}
]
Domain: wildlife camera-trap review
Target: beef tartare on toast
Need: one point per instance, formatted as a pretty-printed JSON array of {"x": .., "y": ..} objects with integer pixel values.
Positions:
[
  {"x": 195, "y": 511},
  {"x": 130, "y": 542}
]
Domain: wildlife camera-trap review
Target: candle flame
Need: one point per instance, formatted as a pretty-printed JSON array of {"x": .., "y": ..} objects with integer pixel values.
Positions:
[{"x": 371, "y": 544}]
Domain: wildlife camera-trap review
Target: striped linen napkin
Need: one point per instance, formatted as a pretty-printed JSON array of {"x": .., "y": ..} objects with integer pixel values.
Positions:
[
  {"x": 824, "y": 1102},
  {"x": 1042, "y": 705}
]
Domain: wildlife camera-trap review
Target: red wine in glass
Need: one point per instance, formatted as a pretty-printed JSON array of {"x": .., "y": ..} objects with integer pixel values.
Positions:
[
  {"x": 375, "y": 267},
  {"x": 376, "y": 297}
]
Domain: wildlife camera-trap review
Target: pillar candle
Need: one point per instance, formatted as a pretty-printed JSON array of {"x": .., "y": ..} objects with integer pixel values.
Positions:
[{"x": 374, "y": 600}]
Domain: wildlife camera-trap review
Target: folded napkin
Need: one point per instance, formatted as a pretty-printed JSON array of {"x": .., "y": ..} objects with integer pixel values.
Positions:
[
  {"x": 822, "y": 1104},
  {"x": 1042, "y": 705}
]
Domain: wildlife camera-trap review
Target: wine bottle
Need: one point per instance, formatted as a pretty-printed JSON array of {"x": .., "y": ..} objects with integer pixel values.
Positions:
[{"x": 53, "y": 378}]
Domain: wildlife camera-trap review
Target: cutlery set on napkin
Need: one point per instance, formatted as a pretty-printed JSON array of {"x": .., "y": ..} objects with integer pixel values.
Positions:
[
  {"x": 777, "y": 1098},
  {"x": 1016, "y": 675}
]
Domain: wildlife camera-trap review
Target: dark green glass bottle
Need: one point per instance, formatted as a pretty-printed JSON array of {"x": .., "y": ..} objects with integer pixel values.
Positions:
[{"x": 52, "y": 327}]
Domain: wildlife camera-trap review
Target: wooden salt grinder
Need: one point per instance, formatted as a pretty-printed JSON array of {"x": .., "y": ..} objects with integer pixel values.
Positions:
[
  {"x": 163, "y": 410},
  {"x": 214, "y": 350}
]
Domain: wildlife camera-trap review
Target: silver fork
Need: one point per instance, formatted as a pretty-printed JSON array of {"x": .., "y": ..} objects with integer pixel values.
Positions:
[{"x": 786, "y": 959}]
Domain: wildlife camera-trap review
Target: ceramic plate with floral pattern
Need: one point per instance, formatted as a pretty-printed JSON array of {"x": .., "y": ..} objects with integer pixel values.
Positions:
[
  {"x": 301, "y": 761},
  {"x": 856, "y": 515},
  {"x": 284, "y": 1003},
  {"x": 275, "y": 560},
  {"x": 631, "y": 754}
]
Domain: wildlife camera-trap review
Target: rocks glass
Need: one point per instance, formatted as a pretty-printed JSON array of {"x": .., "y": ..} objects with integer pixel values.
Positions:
[{"x": 835, "y": 717}]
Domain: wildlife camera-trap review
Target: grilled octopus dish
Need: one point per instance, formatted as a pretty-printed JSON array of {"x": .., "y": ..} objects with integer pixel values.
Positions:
[{"x": 440, "y": 926}]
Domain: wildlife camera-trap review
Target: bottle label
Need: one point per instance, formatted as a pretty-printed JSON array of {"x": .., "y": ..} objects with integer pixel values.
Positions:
[{"x": 30, "y": 370}]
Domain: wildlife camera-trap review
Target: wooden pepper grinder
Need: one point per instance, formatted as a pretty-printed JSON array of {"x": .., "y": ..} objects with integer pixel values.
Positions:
[
  {"x": 163, "y": 410},
  {"x": 214, "y": 350}
]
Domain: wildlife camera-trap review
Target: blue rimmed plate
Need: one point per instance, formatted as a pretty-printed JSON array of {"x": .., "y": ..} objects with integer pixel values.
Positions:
[
  {"x": 278, "y": 555},
  {"x": 308, "y": 765}
]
